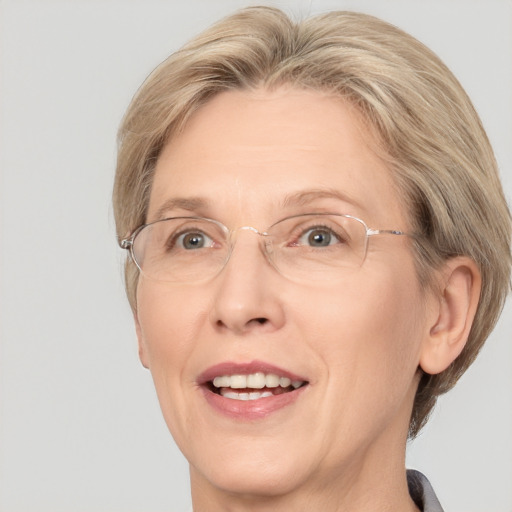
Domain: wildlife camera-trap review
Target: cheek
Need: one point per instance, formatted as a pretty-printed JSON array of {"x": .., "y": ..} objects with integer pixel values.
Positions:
[
  {"x": 168, "y": 324},
  {"x": 167, "y": 320},
  {"x": 380, "y": 313},
  {"x": 370, "y": 357},
  {"x": 367, "y": 337}
]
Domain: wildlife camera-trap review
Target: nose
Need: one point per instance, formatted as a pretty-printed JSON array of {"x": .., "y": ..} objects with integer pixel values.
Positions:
[{"x": 247, "y": 297}]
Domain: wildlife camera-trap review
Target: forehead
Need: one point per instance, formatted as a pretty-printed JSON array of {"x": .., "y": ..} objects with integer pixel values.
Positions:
[{"x": 258, "y": 153}]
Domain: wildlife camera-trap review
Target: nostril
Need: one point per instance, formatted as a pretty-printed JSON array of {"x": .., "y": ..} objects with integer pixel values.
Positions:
[
  {"x": 253, "y": 321},
  {"x": 243, "y": 326}
]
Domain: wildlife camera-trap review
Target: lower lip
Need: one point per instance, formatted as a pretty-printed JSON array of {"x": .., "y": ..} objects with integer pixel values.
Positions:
[{"x": 250, "y": 410}]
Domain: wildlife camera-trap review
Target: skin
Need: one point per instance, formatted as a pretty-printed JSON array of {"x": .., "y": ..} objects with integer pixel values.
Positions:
[{"x": 358, "y": 339}]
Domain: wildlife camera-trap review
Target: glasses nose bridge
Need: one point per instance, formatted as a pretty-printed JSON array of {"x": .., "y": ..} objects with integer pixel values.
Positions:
[
  {"x": 233, "y": 233},
  {"x": 262, "y": 236},
  {"x": 250, "y": 228}
]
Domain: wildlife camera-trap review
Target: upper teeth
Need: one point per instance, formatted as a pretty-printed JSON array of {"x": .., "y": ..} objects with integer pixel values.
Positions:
[{"x": 254, "y": 380}]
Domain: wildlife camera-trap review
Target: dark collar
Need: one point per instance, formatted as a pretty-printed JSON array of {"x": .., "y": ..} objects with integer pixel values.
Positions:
[{"x": 422, "y": 493}]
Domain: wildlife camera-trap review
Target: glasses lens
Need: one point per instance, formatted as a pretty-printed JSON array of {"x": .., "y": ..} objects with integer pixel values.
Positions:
[
  {"x": 310, "y": 246},
  {"x": 181, "y": 249}
]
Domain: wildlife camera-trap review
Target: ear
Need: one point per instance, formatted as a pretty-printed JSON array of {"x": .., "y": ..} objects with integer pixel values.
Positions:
[
  {"x": 459, "y": 286},
  {"x": 143, "y": 355}
]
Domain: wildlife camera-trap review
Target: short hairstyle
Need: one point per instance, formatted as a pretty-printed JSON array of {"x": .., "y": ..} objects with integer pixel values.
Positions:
[{"x": 428, "y": 131}]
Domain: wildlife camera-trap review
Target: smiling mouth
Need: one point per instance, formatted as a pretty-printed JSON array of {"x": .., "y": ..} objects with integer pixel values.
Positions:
[{"x": 253, "y": 386}]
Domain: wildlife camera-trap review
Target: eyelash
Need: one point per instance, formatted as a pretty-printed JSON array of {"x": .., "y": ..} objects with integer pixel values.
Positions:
[
  {"x": 298, "y": 233},
  {"x": 174, "y": 239},
  {"x": 303, "y": 231}
]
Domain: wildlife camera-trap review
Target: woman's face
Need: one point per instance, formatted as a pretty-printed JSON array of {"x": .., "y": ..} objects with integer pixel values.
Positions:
[{"x": 353, "y": 341}]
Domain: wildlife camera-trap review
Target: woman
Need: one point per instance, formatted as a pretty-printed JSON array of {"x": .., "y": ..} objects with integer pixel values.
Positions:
[{"x": 319, "y": 248}]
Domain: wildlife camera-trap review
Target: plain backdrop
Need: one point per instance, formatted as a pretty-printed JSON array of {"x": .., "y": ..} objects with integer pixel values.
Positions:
[{"x": 80, "y": 427}]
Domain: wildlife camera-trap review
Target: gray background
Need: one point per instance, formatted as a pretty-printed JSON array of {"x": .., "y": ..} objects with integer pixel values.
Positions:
[{"x": 80, "y": 427}]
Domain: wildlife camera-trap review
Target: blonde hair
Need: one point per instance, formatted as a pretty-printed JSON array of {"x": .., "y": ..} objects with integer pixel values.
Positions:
[{"x": 429, "y": 133}]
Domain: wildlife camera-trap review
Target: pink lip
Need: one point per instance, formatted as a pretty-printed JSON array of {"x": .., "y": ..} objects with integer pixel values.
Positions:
[{"x": 249, "y": 410}]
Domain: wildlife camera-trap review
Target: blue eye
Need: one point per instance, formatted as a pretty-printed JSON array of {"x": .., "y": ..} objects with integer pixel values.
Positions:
[
  {"x": 193, "y": 240},
  {"x": 318, "y": 237}
]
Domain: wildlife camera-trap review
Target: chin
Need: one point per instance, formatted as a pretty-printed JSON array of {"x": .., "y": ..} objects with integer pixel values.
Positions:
[
  {"x": 251, "y": 471},
  {"x": 256, "y": 481}
]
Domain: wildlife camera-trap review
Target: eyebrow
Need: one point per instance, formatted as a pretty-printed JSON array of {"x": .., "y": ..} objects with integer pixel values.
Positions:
[
  {"x": 306, "y": 197},
  {"x": 192, "y": 204},
  {"x": 297, "y": 199}
]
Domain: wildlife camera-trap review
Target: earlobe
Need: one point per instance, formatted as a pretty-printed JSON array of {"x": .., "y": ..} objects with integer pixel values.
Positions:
[
  {"x": 140, "y": 339},
  {"x": 459, "y": 285}
]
